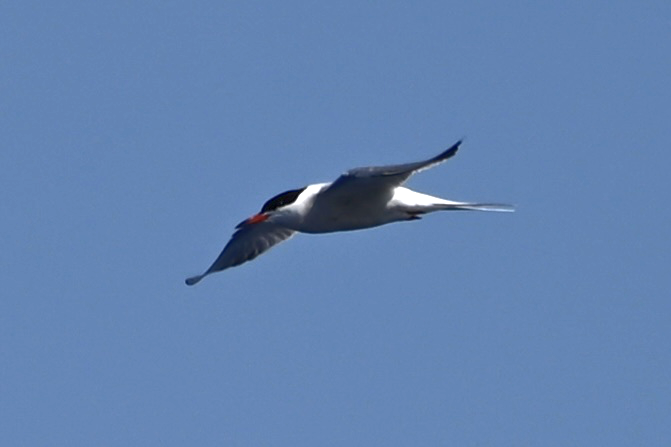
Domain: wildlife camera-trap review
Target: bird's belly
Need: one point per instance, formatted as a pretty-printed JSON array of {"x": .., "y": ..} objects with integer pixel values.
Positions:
[{"x": 332, "y": 220}]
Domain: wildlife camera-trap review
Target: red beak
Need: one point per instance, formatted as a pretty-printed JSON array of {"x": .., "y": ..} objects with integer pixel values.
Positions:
[{"x": 256, "y": 218}]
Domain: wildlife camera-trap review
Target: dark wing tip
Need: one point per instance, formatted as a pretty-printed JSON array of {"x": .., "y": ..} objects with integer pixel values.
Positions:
[
  {"x": 450, "y": 151},
  {"x": 193, "y": 280}
]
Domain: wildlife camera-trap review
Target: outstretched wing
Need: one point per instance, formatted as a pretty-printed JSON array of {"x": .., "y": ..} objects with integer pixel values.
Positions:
[
  {"x": 375, "y": 180},
  {"x": 246, "y": 244}
]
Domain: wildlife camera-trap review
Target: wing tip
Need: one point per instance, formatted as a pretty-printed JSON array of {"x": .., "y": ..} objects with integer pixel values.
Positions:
[
  {"x": 449, "y": 152},
  {"x": 193, "y": 280}
]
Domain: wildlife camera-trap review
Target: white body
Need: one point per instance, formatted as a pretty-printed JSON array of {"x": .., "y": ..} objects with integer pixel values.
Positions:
[{"x": 314, "y": 213}]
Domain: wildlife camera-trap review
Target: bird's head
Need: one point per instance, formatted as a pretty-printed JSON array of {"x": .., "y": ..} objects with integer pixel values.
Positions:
[{"x": 274, "y": 208}]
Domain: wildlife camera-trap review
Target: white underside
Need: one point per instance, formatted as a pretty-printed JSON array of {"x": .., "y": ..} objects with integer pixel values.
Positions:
[{"x": 368, "y": 211}]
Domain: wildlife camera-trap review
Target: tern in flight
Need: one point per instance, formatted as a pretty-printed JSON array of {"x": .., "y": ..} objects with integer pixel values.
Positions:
[{"x": 360, "y": 198}]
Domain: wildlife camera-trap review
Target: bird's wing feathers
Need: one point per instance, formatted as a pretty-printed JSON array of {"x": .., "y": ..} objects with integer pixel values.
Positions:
[
  {"x": 406, "y": 169},
  {"x": 246, "y": 244},
  {"x": 376, "y": 178}
]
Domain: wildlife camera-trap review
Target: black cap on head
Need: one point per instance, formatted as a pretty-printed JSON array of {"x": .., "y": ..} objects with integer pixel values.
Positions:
[{"x": 282, "y": 199}]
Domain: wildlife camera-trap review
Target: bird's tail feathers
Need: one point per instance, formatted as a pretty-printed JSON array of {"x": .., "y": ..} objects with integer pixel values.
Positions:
[{"x": 500, "y": 207}]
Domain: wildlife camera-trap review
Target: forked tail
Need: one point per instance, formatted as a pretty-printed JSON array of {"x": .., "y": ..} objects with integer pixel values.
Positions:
[{"x": 500, "y": 207}]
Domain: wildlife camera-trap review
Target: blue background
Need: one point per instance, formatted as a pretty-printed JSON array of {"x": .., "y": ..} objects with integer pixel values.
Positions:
[{"x": 135, "y": 135}]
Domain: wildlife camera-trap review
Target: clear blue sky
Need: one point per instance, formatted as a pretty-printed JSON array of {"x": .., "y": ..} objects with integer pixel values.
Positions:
[{"x": 135, "y": 135}]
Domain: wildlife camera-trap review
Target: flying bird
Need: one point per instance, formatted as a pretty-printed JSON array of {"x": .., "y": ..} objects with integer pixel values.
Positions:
[{"x": 360, "y": 198}]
